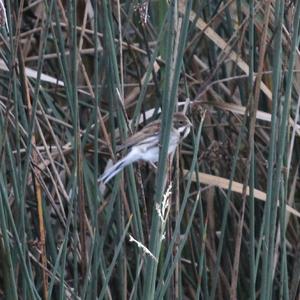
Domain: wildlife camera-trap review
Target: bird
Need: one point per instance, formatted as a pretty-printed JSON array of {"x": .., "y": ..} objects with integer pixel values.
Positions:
[{"x": 145, "y": 144}]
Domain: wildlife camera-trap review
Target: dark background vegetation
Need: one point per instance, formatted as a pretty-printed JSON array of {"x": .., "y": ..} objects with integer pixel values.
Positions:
[{"x": 220, "y": 221}]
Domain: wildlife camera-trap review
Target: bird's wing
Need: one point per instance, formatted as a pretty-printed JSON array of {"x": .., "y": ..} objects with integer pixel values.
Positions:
[{"x": 142, "y": 136}]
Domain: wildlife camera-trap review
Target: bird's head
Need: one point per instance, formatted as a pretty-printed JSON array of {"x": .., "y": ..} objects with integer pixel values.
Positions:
[{"x": 182, "y": 124}]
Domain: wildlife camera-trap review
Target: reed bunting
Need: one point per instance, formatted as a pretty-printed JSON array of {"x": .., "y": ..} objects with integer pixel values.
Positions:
[{"x": 144, "y": 144}]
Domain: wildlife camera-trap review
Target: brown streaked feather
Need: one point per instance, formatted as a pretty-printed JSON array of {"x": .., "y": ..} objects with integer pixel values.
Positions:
[
  {"x": 148, "y": 131},
  {"x": 153, "y": 128}
]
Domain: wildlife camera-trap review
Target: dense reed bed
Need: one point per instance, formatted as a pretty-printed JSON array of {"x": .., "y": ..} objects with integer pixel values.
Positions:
[{"x": 218, "y": 221}]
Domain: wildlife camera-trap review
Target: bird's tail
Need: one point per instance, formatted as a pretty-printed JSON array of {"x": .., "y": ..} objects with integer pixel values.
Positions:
[{"x": 113, "y": 170}]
